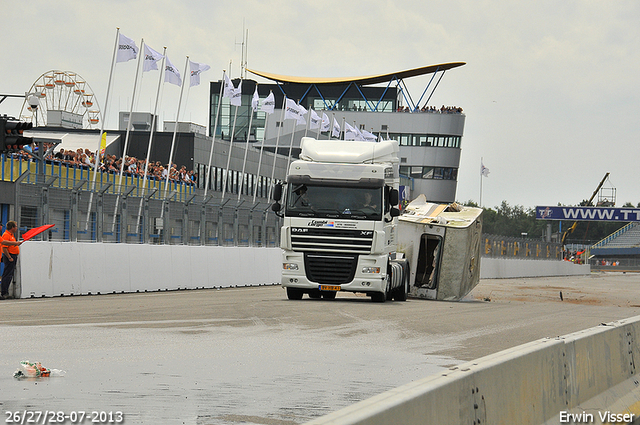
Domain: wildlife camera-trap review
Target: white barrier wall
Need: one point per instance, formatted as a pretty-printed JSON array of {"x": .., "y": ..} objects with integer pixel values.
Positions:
[
  {"x": 591, "y": 372},
  {"x": 499, "y": 268},
  {"x": 66, "y": 268}
]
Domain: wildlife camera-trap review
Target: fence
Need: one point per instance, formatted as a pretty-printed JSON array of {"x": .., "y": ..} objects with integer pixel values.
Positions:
[
  {"x": 120, "y": 211},
  {"x": 519, "y": 248},
  {"x": 621, "y": 263}
]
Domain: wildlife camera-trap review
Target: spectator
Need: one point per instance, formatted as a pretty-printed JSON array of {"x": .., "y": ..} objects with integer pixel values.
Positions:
[{"x": 10, "y": 251}]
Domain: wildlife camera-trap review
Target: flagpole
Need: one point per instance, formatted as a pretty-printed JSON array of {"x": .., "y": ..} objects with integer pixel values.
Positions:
[
  {"x": 293, "y": 133},
  {"x": 126, "y": 139},
  {"x": 481, "y": 163},
  {"x": 213, "y": 136},
  {"x": 153, "y": 126},
  {"x": 333, "y": 120},
  {"x": 246, "y": 149},
  {"x": 306, "y": 129},
  {"x": 96, "y": 158},
  {"x": 233, "y": 130},
  {"x": 175, "y": 130},
  {"x": 275, "y": 156},
  {"x": 264, "y": 135}
]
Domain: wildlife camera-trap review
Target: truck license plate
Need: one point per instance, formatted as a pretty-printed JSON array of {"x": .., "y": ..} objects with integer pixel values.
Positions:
[{"x": 329, "y": 288}]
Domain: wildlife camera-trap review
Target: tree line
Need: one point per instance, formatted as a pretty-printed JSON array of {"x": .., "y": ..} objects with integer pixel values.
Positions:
[{"x": 518, "y": 221}]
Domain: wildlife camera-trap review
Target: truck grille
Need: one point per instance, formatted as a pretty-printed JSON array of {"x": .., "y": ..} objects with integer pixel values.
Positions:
[
  {"x": 330, "y": 269},
  {"x": 331, "y": 240}
]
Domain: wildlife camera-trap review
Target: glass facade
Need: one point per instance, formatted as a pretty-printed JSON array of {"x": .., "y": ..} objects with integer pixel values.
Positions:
[
  {"x": 429, "y": 140},
  {"x": 433, "y": 173},
  {"x": 228, "y": 115}
]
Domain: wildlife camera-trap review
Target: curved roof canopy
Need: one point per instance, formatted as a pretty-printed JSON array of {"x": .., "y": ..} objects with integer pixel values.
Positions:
[{"x": 372, "y": 79}]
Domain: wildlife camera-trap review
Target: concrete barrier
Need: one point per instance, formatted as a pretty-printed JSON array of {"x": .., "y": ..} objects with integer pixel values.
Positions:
[
  {"x": 499, "y": 268},
  {"x": 590, "y": 374},
  {"x": 67, "y": 268}
]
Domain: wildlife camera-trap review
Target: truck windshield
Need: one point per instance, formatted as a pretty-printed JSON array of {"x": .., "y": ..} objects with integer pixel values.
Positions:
[{"x": 348, "y": 202}]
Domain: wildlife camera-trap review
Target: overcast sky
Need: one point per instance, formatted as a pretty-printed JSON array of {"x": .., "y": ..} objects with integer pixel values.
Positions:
[{"x": 551, "y": 89}]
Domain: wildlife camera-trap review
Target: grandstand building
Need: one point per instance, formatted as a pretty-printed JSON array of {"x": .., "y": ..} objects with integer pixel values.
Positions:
[{"x": 430, "y": 138}]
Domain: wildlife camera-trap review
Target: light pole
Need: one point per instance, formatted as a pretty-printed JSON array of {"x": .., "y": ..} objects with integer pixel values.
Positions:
[{"x": 34, "y": 101}]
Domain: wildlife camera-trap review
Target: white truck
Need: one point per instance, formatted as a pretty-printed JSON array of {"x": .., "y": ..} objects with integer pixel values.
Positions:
[{"x": 341, "y": 222}]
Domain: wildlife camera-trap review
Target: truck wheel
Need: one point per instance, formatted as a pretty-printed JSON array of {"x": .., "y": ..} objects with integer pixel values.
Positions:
[
  {"x": 294, "y": 293},
  {"x": 400, "y": 294},
  {"x": 378, "y": 297},
  {"x": 329, "y": 295}
]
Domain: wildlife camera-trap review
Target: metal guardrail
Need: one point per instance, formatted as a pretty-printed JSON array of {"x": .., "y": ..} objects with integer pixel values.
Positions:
[
  {"x": 125, "y": 213},
  {"x": 519, "y": 248}
]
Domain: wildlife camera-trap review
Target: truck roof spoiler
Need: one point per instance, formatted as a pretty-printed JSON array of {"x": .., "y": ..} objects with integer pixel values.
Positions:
[{"x": 349, "y": 152}]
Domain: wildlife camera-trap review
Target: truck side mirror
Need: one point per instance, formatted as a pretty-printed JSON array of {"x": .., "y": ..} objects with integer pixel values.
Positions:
[
  {"x": 394, "y": 212},
  {"x": 277, "y": 192},
  {"x": 276, "y": 207},
  {"x": 394, "y": 197}
]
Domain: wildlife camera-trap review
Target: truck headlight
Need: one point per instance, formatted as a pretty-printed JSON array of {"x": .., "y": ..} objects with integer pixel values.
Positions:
[
  {"x": 371, "y": 270},
  {"x": 289, "y": 266}
]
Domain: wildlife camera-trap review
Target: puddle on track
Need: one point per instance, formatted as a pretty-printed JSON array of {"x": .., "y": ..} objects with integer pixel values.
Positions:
[{"x": 210, "y": 374}]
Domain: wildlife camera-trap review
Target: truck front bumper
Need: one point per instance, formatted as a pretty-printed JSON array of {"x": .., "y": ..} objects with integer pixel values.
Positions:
[{"x": 365, "y": 279}]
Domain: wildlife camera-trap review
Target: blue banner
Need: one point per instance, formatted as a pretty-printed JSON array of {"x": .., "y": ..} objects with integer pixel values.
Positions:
[{"x": 588, "y": 214}]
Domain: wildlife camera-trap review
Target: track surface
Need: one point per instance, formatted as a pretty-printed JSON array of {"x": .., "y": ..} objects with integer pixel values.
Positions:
[{"x": 249, "y": 355}]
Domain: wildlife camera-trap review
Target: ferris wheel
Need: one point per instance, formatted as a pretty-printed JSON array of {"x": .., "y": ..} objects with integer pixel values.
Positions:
[{"x": 67, "y": 95}]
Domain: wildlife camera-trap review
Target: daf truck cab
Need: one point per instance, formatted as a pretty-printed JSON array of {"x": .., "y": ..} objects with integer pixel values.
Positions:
[{"x": 339, "y": 209}]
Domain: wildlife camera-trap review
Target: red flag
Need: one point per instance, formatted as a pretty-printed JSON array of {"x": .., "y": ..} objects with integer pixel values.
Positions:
[{"x": 35, "y": 231}]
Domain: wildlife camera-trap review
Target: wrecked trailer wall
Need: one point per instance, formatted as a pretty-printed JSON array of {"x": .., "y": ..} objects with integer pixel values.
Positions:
[
  {"x": 460, "y": 266},
  {"x": 442, "y": 244}
]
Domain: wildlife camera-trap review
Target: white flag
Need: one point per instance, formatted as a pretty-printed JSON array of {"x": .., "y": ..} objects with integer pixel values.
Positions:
[
  {"x": 292, "y": 111},
  {"x": 314, "y": 120},
  {"x": 303, "y": 112},
  {"x": 171, "y": 74},
  {"x": 151, "y": 57},
  {"x": 368, "y": 136},
  {"x": 326, "y": 124},
  {"x": 236, "y": 95},
  {"x": 350, "y": 133},
  {"x": 269, "y": 104},
  {"x": 228, "y": 87},
  {"x": 484, "y": 170},
  {"x": 359, "y": 135},
  {"x": 335, "y": 131},
  {"x": 196, "y": 68},
  {"x": 255, "y": 100},
  {"x": 127, "y": 49}
]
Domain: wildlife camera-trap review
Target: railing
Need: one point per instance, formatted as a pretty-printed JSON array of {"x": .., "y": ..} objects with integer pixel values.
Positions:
[
  {"x": 519, "y": 248},
  {"x": 124, "y": 213},
  {"x": 68, "y": 176},
  {"x": 613, "y": 236}
]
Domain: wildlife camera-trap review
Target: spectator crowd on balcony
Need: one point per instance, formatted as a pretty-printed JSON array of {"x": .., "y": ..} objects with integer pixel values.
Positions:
[
  {"x": 133, "y": 167},
  {"x": 433, "y": 109}
]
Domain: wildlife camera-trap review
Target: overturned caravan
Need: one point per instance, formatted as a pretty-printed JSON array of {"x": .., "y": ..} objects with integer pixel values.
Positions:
[{"x": 442, "y": 246}]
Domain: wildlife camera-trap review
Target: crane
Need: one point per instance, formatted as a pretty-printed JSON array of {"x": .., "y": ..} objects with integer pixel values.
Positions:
[{"x": 575, "y": 223}]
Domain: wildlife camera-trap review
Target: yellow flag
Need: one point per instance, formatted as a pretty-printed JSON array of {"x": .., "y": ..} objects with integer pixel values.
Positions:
[{"x": 103, "y": 143}]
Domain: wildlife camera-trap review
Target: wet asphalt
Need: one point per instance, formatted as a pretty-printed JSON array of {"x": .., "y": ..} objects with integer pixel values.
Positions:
[{"x": 249, "y": 355}]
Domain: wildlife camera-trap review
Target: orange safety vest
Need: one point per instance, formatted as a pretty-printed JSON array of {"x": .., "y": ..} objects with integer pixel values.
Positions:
[{"x": 15, "y": 250}]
